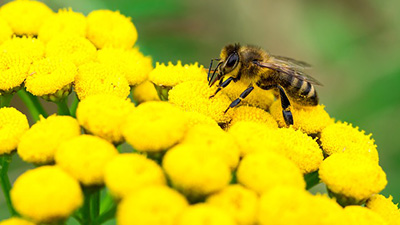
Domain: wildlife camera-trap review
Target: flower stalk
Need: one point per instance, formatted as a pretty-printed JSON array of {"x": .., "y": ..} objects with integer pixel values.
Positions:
[
  {"x": 63, "y": 107},
  {"x": 5, "y": 100},
  {"x": 311, "y": 179},
  {"x": 5, "y": 161},
  {"x": 33, "y": 104}
]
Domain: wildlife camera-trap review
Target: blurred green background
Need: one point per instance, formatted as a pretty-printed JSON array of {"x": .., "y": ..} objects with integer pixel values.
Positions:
[{"x": 353, "y": 45}]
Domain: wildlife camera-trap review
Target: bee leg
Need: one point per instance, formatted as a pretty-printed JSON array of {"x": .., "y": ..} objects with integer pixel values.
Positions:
[
  {"x": 241, "y": 97},
  {"x": 287, "y": 114},
  {"x": 222, "y": 85}
]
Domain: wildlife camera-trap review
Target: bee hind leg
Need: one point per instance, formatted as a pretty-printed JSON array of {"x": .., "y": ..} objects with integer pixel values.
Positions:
[
  {"x": 287, "y": 114},
  {"x": 222, "y": 85},
  {"x": 241, "y": 97}
]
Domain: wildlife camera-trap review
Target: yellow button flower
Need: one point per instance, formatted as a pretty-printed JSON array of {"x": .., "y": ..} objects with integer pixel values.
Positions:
[
  {"x": 195, "y": 96},
  {"x": 171, "y": 75},
  {"x": 214, "y": 142},
  {"x": 205, "y": 214},
  {"x": 16, "y": 221},
  {"x": 363, "y": 216},
  {"x": 385, "y": 208},
  {"x": 49, "y": 76},
  {"x": 145, "y": 92},
  {"x": 262, "y": 171},
  {"x": 194, "y": 173},
  {"x": 129, "y": 172},
  {"x": 13, "y": 125},
  {"x": 25, "y": 16},
  {"x": 46, "y": 194},
  {"x": 310, "y": 120},
  {"x": 28, "y": 47},
  {"x": 198, "y": 118},
  {"x": 84, "y": 158},
  {"x": 343, "y": 137},
  {"x": 155, "y": 126},
  {"x": 151, "y": 206},
  {"x": 132, "y": 63},
  {"x": 352, "y": 178},
  {"x": 13, "y": 71},
  {"x": 249, "y": 113},
  {"x": 239, "y": 202},
  {"x": 5, "y": 31},
  {"x": 71, "y": 47},
  {"x": 104, "y": 115},
  {"x": 38, "y": 144},
  {"x": 66, "y": 22},
  {"x": 95, "y": 78},
  {"x": 106, "y": 28}
]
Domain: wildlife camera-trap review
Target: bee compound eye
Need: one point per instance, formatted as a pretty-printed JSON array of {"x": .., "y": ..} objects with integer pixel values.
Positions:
[{"x": 232, "y": 60}]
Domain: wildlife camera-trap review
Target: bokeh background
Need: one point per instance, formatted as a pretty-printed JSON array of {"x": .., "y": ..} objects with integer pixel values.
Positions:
[{"x": 353, "y": 45}]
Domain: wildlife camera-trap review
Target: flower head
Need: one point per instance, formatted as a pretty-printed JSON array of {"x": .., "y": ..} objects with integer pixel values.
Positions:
[
  {"x": 13, "y": 124},
  {"x": 155, "y": 126},
  {"x": 5, "y": 31},
  {"x": 66, "y": 22},
  {"x": 263, "y": 171},
  {"x": 24, "y": 47},
  {"x": 310, "y": 120},
  {"x": 84, "y": 158},
  {"x": 106, "y": 28},
  {"x": 39, "y": 144},
  {"x": 249, "y": 113},
  {"x": 104, "y": 115},
  {"x": 198, "y": 118},
  {"x": 239, "y": 202},
  {"x": 25, "y": 16},
  {"x": 352, "y": 178},
  {"x": 385, "y": 208},
  {"x": 16, "y": 221},
  {"x": 145, "y": 92},
  {"x": 129, "y": 172},
  {"x": 194, "y": 173},
  {"x": 132, "y": 63},
  {"x": 13, "y": 71},
  {"x": 96, "y": 78},
  {"x": 363, "y": 216},
  {"x": 46, "y": 194},
  {"x": 343, "y": 137},
  {"x": 151, "y": 205},
  {"x": 205, "y": 214}
]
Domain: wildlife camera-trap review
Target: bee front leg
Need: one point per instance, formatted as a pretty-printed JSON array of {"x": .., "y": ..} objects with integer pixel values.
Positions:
[
  {"x": 222, "y": 85},
  {"x": 241, "y": 97},
  {"x": 287, "y": 114}
]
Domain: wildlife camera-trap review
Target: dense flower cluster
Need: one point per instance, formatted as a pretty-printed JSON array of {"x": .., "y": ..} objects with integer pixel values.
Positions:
[{"x": 119, "y": 152}]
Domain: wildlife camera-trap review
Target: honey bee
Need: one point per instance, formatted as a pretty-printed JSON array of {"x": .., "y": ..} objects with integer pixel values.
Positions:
[{"x": 255, "y": 66}]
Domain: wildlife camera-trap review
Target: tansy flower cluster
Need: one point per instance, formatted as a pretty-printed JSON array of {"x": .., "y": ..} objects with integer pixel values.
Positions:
[{"x": 143, "y": 145}]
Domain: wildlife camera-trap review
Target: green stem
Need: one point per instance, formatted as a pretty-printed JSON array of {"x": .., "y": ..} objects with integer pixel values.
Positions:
[
  {"x": 33, "y": 104},
  {"x": 95, "y": 206},
  {"x": 311, "y": 179},
  {"x": 85, "y": 210},
  {"x": 5, "y": 161},
  {"x": 5, "y": 100},
  {"x": 107, "y": 215},
  {"x": 63, "y": 107},
  {"x": 74, "y": 105}
]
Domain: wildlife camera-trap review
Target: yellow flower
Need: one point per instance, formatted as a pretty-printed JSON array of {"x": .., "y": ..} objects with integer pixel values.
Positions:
[
  {"x": 171, "y": 75},
  {"x": 300, "y": 148},
  {"x": 25, "y": 16},
  {"x": 27, "y": 47},
  {"x": 359, "y": 215},
  {"x": 258, "y": 97},
  {"x": 352, "y": 178},
  {"x": 46, "y": 194},
  {"x": 385, "y": 208},
  {"x": 16, "y": 221},
  {"x": 239, "y": 202},
  {"x": 71, "y": 47},
  {"x": 285, "y": 205},
  {"x": 205, "y": 214},
  {"x": 343, "y": 137},
  {"x": 195, "y": 96},
  {"x": 262, "y": 171},
  {"x": 214, "y": 142},
  {"x": 249, "y": 113},
  {"x": 310, "y": 120},
  {"x": 145, "y": 92},
  {"x": 151, "y": 206},
  {"x": 13, "y": 71},
  {"x": 194, "y": 173},
  {"x": 51, "y": 77},
  {"x": 104, "y": 115},
  {"x": 65, "y": 22},
  {"x": 198, "y": 118},
  {"x": 129, "y": 172},
  {"x": 132, "y": 63},
  {"x": 155, "y": 126},
  {"x": 38, "y": 144},
  {"x": 106, "y": 28},
  {"x": 13, "y": 125},
  {"x": 5, "y": 31},
  {"x": 84, "y": 158},
  {"x": 95, "y": 78}
]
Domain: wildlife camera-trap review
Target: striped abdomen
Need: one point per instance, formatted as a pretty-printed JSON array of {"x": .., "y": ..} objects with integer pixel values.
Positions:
[{"x": 302, "y": 92}]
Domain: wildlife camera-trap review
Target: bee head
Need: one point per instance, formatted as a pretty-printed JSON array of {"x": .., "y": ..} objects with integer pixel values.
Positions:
[{"x": 228, "y": 64}]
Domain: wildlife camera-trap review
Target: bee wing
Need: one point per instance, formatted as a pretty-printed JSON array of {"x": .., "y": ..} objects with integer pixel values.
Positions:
[
  {"x": 292, "y": 62},
  {"x": 289, "y": 68}
]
